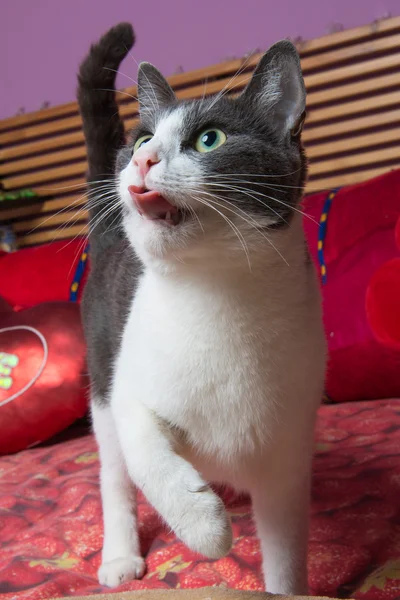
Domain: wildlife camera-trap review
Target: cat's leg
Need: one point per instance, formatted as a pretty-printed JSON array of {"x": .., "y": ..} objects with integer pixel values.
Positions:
[
  {"x": 171, "y": 484},
  {"x": 121, "y": 559},
  {"x": 281, "y": 510}
]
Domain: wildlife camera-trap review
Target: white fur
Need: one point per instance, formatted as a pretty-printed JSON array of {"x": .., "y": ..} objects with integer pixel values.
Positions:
[
  {"x": 121, "y": 560},
  {"x": 218, "y": 378}
]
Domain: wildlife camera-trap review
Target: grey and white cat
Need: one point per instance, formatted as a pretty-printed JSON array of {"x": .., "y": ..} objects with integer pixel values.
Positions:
[{"x": 202, "y": 311}]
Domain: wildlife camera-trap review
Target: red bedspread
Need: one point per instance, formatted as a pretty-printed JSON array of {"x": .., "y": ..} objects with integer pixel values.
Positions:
[{"x": 51, "y": 532}]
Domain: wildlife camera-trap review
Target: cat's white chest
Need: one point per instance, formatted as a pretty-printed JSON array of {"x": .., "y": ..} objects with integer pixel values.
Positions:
[{"x": 196, "y": 362}]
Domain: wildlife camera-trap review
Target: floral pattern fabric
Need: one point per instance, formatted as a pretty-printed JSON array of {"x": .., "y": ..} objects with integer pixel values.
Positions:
[{"x": 51, "y": 531}]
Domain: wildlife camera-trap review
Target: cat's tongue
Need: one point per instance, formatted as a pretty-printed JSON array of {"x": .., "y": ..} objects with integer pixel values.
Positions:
[{"x": 153, "y": 206}]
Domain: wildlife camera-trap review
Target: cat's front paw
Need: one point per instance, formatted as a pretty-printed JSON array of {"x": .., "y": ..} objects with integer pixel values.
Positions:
[
  {"x": 206, "y": 526},
  {"x": 119, "y": 570}
]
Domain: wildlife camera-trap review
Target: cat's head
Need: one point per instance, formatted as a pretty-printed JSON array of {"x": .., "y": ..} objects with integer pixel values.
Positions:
[{"x": 207, "y": 177}]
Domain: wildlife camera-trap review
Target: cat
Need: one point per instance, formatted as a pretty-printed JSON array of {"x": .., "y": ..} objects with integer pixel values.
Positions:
[{"x": 202, "y": 310}]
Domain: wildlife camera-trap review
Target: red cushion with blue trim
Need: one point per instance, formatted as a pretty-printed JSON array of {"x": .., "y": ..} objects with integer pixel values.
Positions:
[{"x": 351, "y": 235}]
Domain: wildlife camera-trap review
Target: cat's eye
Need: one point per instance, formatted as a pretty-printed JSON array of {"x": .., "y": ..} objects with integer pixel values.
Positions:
[
  {"x": 210, "y": 139},
  {"x": 142, "y": 141}
]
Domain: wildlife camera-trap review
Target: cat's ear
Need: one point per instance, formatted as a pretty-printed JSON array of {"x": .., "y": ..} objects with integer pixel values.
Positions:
[
  {"x": 154, "y": 91},
  {"x": 277, "y": 87}
]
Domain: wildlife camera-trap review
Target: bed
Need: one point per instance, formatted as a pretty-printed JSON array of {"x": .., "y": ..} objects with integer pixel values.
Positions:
[{"x": 50, "y": 512}]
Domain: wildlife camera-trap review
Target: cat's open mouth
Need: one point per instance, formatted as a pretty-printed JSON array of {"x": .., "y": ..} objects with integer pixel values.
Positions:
[{"x": 151, "y": 205}]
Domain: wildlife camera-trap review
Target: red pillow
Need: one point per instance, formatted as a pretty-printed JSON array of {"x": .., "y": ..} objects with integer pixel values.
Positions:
[
  {"x": 40, "y": 274},
  {"x": 383, "y": 300},
  {"x": 42, "y": 373},
  {"x": 351, "y": 234}
]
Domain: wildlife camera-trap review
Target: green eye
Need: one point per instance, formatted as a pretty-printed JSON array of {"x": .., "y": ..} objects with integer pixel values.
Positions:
[
  {"x": 210, "y": 139},
  {"x": 141, "y": 141}
]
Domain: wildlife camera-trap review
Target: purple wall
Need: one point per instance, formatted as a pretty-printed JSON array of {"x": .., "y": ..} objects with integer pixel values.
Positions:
[{"x": 42, "y": 41}]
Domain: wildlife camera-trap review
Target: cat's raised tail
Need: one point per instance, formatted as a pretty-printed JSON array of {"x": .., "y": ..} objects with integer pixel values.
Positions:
[{"x": 102, "y": 124}]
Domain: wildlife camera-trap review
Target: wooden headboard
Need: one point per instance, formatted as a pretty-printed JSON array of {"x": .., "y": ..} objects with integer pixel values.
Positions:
[{"x": 352, "y": 131}]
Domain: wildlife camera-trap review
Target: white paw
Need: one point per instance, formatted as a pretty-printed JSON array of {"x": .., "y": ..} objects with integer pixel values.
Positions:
[
  {"x": 204, "y": 525},
  {"x": 119, "y": 570}
]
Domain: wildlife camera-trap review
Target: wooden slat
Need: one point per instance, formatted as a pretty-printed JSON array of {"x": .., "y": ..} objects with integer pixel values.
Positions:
[
  {"x": 46, "y": 114},
  {"x": 363, "y": 159},
  {"x": 54, "y": 158},
  {"x": 334, "y": 57},
  {"x": 51, "y": 235},
  {"x": 350, "y": 36},
  {"x": 44, "y": 145},
  {"x": 74, "y": 201},
  {"x": 371, "y": 85},
  {"x": 352, "y": 143},
  {"x": 312, "y": 135},
  {"x": 369, "y": 67},
  {"x": 348, "y": 109},
  {"x": 40, "y": 177},
  {"x": 67, "y": 187},
  {"x": 332, "y": 181},
  {"x": 19, "y": 135},
  {"x": 69, "y": 218}
]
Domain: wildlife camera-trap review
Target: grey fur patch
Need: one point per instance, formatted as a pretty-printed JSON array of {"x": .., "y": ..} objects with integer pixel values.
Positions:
[{"x": 106, "y": 302}]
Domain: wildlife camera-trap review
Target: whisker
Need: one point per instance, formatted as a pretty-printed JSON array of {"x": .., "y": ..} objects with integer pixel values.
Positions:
[
  {"x": 79, "y": 234},
  {"x": 244, "y": 191},
  {"x": 225, "y": 88},
  {"x": 59, "y": 212},
  {"x": 267, "y": 175},
  {"x": 147, "y": 79},
  {"x": 80, "y": 248},
  {"x": 272, "y": 185},
  {"x": 111, "y": 227},
  {"x": 194, "y": 214},
  {"x": 103, "y": 214},
  {"x": 75, "y": 216},
  {"x": 117, "y": 91},
  {"x": 77, "y": 185},
  {"x": 106, "y": 191},
  {"x": 204, "y": 91},
  {"x": 120, "y": 73},
  {"x": 232, "y": 225},
  {"x": 91, "y": 204},
  {"x": 254, "y": 224}
]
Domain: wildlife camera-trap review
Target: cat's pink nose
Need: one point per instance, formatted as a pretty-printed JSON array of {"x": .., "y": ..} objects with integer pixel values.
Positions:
[{"x": 144, "y": 160}]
